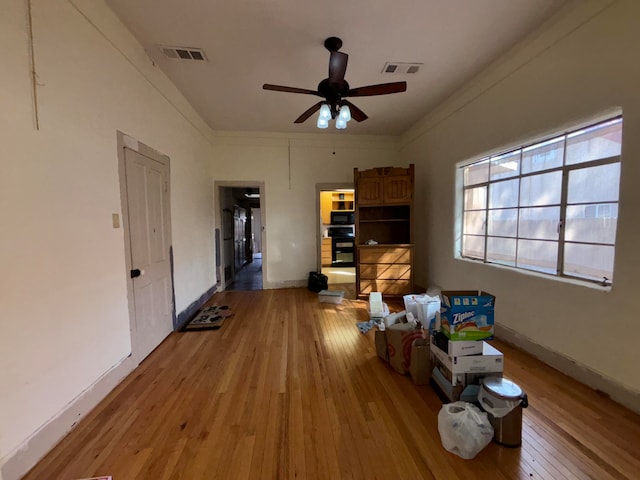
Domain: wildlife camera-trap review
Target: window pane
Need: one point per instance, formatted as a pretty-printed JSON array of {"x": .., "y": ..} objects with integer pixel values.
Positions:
[
  {"x": 474, "y": 222},
  {"x": 592, "y": 223},
  {"x": 501, "y": 250},
  {"x": 539, "y": 223},
  {"x": 600, "y": 141},
  {"x": 543, "y": 156},
  {"x": 504, "y": 194},
  {"x": 506, "y": 165},
  {"x": 541, "y": 189},
  {"x": 503, "y": 223},
  {"x": 594, "y": 184},
  {"x": 538, "y": 255},
  {"x": 476, "y": 173},
  {"x": 475, "y": 198},
  {"x": 594, "y": 262},
  {"x": 473, "y": 246}
]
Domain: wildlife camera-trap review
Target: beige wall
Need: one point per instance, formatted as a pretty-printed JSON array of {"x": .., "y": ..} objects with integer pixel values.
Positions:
[
  {"x": 64, "y": 320},
  {"x": 582, "y": 64},
  {"x": 291, "y": 166}
]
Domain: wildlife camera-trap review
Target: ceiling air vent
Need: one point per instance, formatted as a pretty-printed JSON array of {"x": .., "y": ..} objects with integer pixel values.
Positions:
[
  {"x": 401, "y": 67},
  {"x": 183, "y": 53}
]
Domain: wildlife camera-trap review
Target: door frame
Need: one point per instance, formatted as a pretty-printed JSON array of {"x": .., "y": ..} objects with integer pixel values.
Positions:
[
  {"x": 126, "y": 141},
  {"x": 217, "y": 186},
  {"x": 321, "y": 187}
]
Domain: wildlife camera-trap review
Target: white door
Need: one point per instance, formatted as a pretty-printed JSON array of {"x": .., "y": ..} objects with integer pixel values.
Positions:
[{"x": 147, "y": 183}]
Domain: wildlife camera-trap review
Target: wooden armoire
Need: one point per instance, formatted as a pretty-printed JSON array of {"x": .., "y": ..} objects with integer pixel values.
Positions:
[{"x": 384, "y": 231}]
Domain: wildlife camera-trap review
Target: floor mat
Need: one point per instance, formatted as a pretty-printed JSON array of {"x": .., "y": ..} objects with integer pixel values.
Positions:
[{"x": 209, "y": 318}]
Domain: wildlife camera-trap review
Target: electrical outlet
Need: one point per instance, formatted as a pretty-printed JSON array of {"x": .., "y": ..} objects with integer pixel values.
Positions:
[{"x": 115, "y": 219}]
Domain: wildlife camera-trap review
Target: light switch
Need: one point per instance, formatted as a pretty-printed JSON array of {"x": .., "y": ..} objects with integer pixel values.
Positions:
[{"x": 115, "y": 219}]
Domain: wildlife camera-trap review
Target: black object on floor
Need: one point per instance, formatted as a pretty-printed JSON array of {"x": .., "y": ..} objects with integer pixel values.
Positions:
[
  {"x": 209, "y": 318},
  {"x": 317, "y": 282}
]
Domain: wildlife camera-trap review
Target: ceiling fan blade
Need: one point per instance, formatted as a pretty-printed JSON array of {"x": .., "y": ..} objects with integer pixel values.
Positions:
[
  {"x": 337, "y": 67},
  {"x": 357, "y": 114},
  {"x": 380, "y": 89},
  {"x": 280, "y": 88},
  {"x": 308, "y": 113}
]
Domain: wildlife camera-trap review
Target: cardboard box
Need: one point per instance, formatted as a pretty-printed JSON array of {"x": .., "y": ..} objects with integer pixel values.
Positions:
[
  {"x": 331, "y": 296},
  {"x": 458, "y": 368},
  {"x": 467, "y": 315}
]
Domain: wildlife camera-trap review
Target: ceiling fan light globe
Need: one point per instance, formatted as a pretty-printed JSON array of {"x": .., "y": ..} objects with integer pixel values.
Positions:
[
  {"x": 325, "y": 112},
  {"x": 341, "y": 123},
  {"x": 345, "y": 113},
  {"x": 322, "y": 123}
]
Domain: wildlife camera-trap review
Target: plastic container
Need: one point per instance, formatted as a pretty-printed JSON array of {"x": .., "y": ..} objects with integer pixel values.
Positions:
[
  {"x": 331, "y": 296},
  {"x": 503, "y": 400}
]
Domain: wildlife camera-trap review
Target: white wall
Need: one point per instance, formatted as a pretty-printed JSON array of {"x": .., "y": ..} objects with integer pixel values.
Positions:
[
  {"x": 63, "y": 291},
  {"x": 291, "y": 167},
  {"x": 584, "y": 62}
]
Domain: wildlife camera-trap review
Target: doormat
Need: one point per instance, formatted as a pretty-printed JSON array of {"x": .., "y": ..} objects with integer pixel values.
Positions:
[{"x": 209, "y": 318}]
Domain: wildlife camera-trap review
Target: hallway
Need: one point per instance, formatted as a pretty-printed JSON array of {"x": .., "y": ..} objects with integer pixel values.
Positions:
[{"x": 249, "y": 277}]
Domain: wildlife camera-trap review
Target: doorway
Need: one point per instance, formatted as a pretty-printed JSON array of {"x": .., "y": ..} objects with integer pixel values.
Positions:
[
  {"x": 242, "y": 234},
  {"x": 336, "y": 234}
]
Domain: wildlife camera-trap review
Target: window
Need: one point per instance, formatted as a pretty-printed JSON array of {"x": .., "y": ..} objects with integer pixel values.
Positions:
[{"x": 550, "y": 207}]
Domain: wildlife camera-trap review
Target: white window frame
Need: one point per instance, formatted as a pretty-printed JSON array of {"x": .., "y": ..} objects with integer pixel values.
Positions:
[{"x": 562, "y": 205}]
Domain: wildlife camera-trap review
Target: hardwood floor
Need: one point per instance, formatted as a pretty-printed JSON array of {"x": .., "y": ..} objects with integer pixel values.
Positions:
[{"x": 289, "y": 388}]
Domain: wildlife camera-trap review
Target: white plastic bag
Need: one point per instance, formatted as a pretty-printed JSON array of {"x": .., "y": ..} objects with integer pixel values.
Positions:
[
  {"x": 464, "y": 429},
  {"x": 424, "y": 307}
]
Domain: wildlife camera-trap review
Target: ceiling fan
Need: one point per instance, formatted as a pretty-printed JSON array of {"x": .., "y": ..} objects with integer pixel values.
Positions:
[{"x": 335, "y": 88}]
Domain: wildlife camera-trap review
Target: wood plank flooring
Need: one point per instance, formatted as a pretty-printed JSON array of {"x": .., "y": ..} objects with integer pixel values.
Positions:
[{"x": 289, "y": 388}]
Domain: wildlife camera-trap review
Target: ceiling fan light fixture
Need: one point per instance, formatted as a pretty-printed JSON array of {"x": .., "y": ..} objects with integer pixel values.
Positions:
[
  {"x": 341, "y": 123},
  {"x": 322, "y": 123},
  {"x": 345, "y": 113},
  {"x": 325, "y": 112}
]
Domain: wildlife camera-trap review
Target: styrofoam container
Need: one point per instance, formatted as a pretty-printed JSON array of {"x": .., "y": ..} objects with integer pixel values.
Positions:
[{"x": 331, "y": 296}]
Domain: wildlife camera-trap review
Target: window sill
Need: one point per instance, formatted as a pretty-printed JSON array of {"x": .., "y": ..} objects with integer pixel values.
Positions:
[{"x": 553, "y": 278}]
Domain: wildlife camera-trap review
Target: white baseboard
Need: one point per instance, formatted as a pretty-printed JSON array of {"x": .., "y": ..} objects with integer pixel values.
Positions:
[
  {"x": 614, "y": 389},
  {"x": 285, "y": 284},
  {"x": 23, "y": 458}
]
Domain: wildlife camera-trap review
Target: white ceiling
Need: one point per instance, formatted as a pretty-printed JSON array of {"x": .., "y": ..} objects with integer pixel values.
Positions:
[{"x": 252, "y": 42}]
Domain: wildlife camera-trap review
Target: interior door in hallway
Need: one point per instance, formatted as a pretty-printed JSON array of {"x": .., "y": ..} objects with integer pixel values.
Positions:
[
  {"x": 240, "y": 238},
  {"x": 147, "y": 183}
]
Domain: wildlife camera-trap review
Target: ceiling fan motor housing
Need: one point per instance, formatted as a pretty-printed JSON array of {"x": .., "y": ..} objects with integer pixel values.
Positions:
[
  {"x": 333, "y": 93},
  {"x": 333, "y": 44}
]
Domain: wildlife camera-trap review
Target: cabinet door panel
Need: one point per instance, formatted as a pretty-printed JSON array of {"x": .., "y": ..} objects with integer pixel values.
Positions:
[
  {"x": 397, "y": 189},
  {"x": 385, "y": 255},
  {"x": 369, "y": 191},
  {"x": 326, "y": 252},
  {"x": 383, "y": 271}
]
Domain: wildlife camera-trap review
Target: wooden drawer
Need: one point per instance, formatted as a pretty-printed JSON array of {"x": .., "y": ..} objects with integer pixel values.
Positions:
[
  {"x": 386, "y": 287},
  {"x": 383, "y": 271},
  {"x": 385, "y": 255}
]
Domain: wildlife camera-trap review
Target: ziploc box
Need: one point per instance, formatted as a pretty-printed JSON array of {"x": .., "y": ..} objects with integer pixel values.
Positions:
[{"x": 467, "y": 315}]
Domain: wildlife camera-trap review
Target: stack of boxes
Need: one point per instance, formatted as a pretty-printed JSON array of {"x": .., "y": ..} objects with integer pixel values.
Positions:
[{"x": 459, "y": 353}]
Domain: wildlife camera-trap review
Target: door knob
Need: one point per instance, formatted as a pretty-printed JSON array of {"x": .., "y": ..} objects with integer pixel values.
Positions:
[{"x": 135, "y": 273}]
